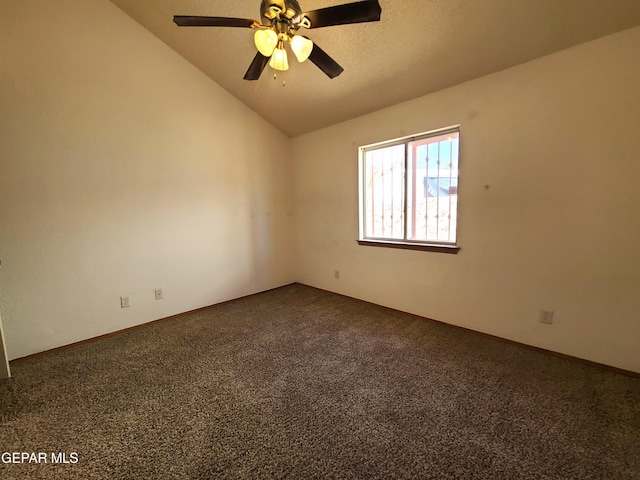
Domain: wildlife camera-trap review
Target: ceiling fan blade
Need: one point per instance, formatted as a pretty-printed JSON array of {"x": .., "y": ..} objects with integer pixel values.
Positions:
[
  {"x": 256, "y": 67},
  {"x": 324, "y": 62},
  {"x": 357, "y": 12},
  {"x": 191, "y": 21}
]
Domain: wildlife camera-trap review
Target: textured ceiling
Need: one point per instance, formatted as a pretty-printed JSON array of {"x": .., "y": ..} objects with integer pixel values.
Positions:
[{"x": 418, "y": 47}]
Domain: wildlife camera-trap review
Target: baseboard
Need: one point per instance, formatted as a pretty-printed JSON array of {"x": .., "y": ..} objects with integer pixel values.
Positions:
[
  {"x": 136, "y": 327},
  {"x": 621, "y": 371},
  {"x": 603, "y": 366}
]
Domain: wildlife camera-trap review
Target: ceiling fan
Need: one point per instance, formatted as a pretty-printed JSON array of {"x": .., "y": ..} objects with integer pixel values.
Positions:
[{"x": 281, "y": 21}]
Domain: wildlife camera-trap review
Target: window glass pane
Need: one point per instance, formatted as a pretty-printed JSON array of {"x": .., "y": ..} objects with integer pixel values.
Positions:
[
  {"x": 384, "y": 192},
  {"x": 432, "y": 186}
]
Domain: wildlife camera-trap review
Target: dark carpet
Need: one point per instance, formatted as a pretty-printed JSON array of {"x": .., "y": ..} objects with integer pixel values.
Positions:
[{"x": 300, "y": 383}]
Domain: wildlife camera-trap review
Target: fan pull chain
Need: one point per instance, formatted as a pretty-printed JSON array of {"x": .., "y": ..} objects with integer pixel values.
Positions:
[{"x": 284, "y": 82}]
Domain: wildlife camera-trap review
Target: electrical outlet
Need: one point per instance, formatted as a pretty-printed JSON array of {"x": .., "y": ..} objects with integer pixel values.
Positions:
[
  {"x": 125, "y": 301},
  {"x": 546, "y": 316},
  {"x": 337, "y": 274},
  {"x": 159, "y": 295}
]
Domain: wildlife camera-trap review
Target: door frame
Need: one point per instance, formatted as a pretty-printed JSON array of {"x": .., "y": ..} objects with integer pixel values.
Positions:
[{"x": 5, "y": 372}]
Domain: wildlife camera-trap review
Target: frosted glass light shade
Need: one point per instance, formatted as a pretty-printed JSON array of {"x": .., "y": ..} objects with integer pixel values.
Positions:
[
  {"x": 266, "y": 41},
  {"x": 301, "y": 47},
  {"x": 279, "y": 60}
]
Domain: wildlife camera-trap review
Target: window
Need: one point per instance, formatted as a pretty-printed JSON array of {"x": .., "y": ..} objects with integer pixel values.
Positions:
[{"x": 409, "y": 192}]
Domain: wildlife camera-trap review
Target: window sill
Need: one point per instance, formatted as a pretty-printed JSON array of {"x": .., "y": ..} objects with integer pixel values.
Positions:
[{"x": 427, "y": 247}]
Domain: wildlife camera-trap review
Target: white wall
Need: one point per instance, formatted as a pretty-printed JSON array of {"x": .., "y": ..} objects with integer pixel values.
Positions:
[
  {"x": 556, "y": 140},
  {"x": 123, "y": 169}
]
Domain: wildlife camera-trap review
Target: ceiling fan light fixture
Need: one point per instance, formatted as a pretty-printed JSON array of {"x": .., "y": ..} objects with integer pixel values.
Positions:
[
  {"x": 301, "y": 47},
  {"x": 266, "y": 41},
  {"x": 279, "y": 59},
  {"x": 280, "y": 22}
]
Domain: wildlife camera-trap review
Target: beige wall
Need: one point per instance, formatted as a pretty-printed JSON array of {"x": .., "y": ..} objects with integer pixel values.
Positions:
[
  {"x": 556, "y": 140},
  {"x": 123, "y": 169}
]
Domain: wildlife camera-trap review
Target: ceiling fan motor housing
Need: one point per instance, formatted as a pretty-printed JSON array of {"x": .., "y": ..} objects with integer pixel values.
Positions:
[{"x": 287, "y": 8}]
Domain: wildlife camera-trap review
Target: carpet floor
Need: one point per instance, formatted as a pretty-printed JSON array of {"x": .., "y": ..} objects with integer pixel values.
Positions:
[{"x": 301, "y": 383}]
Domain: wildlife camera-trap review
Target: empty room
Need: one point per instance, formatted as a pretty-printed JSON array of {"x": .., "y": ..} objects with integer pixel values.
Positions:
[{"x": 320, "y": 239}]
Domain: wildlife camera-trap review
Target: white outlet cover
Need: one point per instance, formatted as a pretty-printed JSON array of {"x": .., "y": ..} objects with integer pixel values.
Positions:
[{"x": 546, "y": 316}]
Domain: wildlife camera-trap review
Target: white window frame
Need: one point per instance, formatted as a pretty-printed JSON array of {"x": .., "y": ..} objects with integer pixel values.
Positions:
[{"x": 405, "y": 242}]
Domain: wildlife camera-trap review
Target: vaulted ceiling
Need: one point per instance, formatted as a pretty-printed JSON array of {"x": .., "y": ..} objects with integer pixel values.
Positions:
[{"x": 418, "y": 47}]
